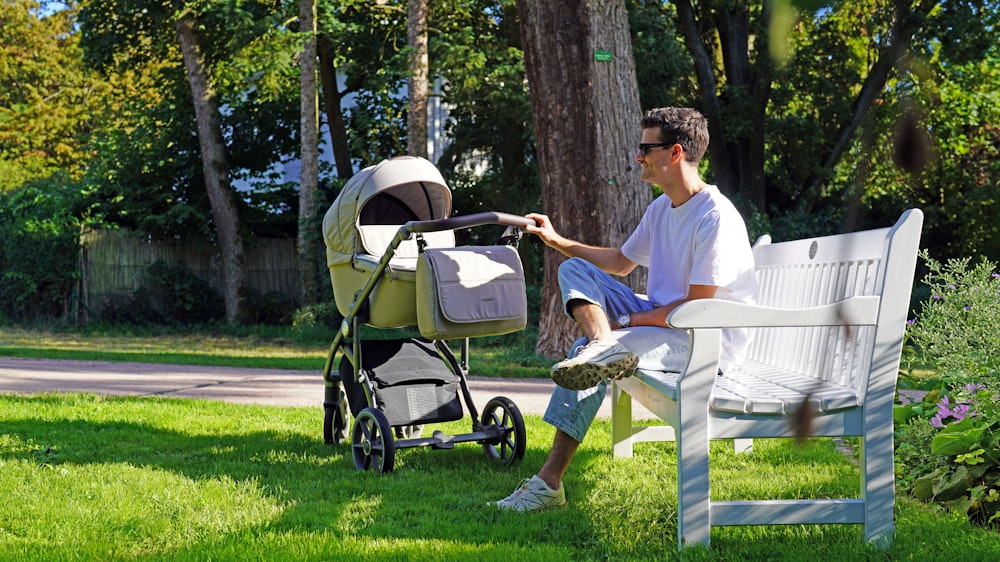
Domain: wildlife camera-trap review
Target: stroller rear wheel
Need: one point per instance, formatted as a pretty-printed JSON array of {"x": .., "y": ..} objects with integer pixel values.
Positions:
[
  {"x": 502, "y": 413},
  {"x": 371, "y": 441}
]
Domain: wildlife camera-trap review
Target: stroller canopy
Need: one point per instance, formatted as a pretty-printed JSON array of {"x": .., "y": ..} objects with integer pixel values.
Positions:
[{"x": 392, "y": 192}]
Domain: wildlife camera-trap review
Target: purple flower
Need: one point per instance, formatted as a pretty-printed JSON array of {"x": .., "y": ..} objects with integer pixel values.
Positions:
[
  {"x": 936, "y": 297},
  {"x": 967, "y": 307},
  {"x": 960, "y": 411},
  {"x": 951, "y": 285},
  {"x": 996, "y": 275},
  {"x": 974, "y": 387},
  {"x": 936, "y": 422}
]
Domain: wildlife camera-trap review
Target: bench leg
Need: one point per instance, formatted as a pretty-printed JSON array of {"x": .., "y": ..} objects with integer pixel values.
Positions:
[
  {"x": 693, "y": 501},
  {"x": 877, "y": 477},
  {"x": 621, "y": 422}
]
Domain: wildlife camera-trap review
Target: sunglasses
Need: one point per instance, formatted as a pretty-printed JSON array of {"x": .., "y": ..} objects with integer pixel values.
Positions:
[{"x": 644, "y": 147}]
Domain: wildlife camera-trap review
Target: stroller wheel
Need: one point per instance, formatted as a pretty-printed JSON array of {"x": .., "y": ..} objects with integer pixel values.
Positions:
[
  {"x": 371, "y": 441},
  {"x": 335, "y": 421},
  {"x": 502, "y": 413}
]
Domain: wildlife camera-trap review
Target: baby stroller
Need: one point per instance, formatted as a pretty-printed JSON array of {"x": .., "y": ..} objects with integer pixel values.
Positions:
[{"x": 394, "y": 265}]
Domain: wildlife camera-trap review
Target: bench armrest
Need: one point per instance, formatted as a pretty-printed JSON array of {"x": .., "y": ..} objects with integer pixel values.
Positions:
[{"x": 718, "y": 313}]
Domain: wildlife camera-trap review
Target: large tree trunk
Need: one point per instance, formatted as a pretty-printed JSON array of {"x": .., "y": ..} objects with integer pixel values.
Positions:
[
  {"x": 585, "y": 111},
  {"x": 308, "y": 252},
  {"x": 331, "y": 106},
  {"x": 416, "y": 121},
  {"x": 216, "y": 169}
]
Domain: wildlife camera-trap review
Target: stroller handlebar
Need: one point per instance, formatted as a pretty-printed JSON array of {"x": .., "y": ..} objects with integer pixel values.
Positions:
[{"x": 468, "y": 221}]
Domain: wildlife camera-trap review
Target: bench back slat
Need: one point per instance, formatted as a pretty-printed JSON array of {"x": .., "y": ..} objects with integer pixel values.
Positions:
[{"x": 813, "y": 272}]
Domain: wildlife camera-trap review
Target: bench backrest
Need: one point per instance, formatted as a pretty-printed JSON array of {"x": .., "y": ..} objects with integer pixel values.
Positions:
[{"x": 818, "y": 271}]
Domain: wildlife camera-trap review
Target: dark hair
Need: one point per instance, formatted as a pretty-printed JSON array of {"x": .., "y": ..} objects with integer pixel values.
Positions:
[{"x": 680, "y": 125}]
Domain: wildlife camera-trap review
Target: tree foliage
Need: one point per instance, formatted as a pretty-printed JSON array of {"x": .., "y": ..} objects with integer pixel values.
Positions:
[
  {"x": 48, "y": 101},
  {"x": 148, "y": 173},
  {"x": 96, "y": 109}
]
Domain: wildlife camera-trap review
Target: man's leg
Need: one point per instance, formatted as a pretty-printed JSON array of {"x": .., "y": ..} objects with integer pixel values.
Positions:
[
  {"x": 591, "y": 296},
  {"x": 571, "y": 412},
  {"x": 563, "y": 449},
  {"x": 591, "y": 318}
]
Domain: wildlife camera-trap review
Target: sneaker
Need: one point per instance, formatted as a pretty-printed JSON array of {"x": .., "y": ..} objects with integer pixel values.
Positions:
[
  {"x": 533, "y": 494},
  {"x": 596, "y": 361}
]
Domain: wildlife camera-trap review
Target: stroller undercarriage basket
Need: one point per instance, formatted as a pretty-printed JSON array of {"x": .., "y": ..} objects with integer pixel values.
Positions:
[
  {"x": 411, "y": 384},
  {"x": 393, "y": 264}
]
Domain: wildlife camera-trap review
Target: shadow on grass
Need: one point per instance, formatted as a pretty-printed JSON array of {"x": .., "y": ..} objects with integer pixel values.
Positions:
[{"x": 436, "y": 496}]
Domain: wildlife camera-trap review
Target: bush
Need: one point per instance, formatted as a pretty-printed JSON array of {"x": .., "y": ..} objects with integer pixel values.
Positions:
[
  {"x": 953, "y": 457},
  {"x": 955, "y": 331},
  {"x": 948, "y": 445},
  {"x": 169, "y": 294},
  {"x": 39, "y": 247}
]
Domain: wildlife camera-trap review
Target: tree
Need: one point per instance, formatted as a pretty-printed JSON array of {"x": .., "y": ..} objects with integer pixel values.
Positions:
[
  {"x": 585, "y": 110},
  {"x": 213, "y": 41},
  {"x": 49, "y": 102},
  {"x": 308, "y": 243},
  {"x": 215, "y": 166},
  {"x": 736, "y": 97},
  {"x": 417, "y": 85}
]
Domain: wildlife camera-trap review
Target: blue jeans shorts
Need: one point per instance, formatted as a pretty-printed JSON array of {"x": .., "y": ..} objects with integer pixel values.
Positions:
[{"x": 573, "y": 411}]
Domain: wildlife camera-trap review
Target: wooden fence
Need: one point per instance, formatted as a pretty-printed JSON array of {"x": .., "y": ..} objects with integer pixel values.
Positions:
[{"x": 113, "y": 265}]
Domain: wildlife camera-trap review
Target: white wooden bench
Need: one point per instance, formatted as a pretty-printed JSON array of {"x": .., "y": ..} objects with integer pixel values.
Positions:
[{"x": 828, "y": 328}]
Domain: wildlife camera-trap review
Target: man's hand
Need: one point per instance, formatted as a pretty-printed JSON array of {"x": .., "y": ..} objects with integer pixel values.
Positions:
[{"x": 543, "y": 229}]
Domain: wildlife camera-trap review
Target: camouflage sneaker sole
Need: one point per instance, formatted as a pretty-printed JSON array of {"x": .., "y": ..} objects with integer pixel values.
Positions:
[{"x": 581, "y": 376}]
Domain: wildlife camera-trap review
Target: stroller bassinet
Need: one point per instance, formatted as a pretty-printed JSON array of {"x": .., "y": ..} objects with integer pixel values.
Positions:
[{"x": 393, "y": 263}]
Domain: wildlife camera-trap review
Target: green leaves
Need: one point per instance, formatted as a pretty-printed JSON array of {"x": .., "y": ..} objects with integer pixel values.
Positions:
[{"x": 958, "y": 438}]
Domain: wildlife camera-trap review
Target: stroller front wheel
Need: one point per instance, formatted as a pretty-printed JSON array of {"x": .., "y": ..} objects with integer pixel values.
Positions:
[
  {"x": 335, "y": 421},
  {"x": 504, "y": 415},
  {"x": 371, "y": 441}
]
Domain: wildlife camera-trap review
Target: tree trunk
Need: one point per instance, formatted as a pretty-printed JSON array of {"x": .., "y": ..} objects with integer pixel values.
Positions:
[
  {"x": 308, "y": 252},
  {"x": 726, "y": 174},
  {"x": 416, "y": 121},
  {"x": 216, "y": 169},
  {"x": 585, "y": 112},
  {"x": 737, "y": 159},
  {"x": 334, "y": 113}
]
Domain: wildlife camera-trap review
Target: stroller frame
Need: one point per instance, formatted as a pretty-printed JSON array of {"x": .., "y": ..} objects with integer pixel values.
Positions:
[{"x": 500, "y": 429}]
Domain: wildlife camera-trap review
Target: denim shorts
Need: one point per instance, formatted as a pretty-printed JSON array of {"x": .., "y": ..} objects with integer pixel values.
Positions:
[{"x": 573, "y": 411}]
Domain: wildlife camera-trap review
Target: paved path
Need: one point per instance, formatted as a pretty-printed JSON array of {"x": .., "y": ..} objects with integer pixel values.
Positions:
[{"x": 242, "y": 386}]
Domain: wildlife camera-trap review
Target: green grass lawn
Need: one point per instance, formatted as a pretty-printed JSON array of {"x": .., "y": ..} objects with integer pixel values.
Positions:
[
  {"x": 90, "y": 478},
  {"x": 94, "y": 478}
]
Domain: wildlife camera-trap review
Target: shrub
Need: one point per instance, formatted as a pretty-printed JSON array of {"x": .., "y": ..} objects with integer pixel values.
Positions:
[
  {"x": 948, "y": 445},
  {"x": 955, "y": 331},
  {"x": 39, "y": 247},
  {"x": 967, "y": 476}
]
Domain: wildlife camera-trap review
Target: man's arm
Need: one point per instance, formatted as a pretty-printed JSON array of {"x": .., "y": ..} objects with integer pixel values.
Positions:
[
  {"x": 658, "y": 316},
  {"x": 610, "y": 260}
]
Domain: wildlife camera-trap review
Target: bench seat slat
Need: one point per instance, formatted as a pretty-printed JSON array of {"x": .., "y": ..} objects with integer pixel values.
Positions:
[{"x": 760, "y": 389}]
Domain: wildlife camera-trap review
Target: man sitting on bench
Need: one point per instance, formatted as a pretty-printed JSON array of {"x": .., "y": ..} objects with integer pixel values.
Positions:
[{"x": 694, "y": 243}]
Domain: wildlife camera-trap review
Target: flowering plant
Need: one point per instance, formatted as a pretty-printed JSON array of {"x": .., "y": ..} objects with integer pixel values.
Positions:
[
  {"x": 956, "y": 330},
  {"x": 968, "y": 477},
  {"x": 948, "y": 445}
]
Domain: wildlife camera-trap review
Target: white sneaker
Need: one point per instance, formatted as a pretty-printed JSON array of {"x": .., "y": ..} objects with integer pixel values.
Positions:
[
  {"x": 596, "y": 361},
  {"x": 533, "y": 494}
]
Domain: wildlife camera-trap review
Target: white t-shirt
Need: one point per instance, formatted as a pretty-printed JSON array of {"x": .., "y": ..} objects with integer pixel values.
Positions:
[{"x": 702, "y": 242}]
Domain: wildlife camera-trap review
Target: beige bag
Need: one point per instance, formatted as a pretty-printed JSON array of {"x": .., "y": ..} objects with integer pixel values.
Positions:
[{"x": 470, "y": 291}]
